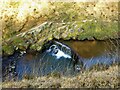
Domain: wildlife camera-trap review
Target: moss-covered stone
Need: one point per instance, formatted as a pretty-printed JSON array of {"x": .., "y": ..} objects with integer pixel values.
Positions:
[{"x": 8, "y": 49}]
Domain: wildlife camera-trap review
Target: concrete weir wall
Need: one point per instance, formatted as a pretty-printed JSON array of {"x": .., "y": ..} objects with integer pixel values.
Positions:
[{"x": 31, "y": 23}]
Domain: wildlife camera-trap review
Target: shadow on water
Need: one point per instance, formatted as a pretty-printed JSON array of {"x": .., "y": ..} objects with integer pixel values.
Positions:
[{"x": 63, "y": 57}]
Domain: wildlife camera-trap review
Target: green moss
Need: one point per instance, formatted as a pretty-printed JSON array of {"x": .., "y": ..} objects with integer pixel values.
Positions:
[
  {"x": 7, "y": 49},
  {"x": 20, "y": 43}
]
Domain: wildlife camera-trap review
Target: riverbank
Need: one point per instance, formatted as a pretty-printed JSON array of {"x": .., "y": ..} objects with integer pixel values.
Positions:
[
  {"x": 27, "y": 25},
  {"x": 30, "y": 24},
  {"x": 89, "y": 79}
]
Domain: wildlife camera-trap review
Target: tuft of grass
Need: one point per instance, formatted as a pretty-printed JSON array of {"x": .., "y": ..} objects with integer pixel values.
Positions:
[{"x": 89, "y": 79}]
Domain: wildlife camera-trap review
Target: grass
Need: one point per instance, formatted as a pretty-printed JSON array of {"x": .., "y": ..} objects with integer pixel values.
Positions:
[
  {"x": 89, "y": 79},
  {"x": 101, "y": 22},
  {"x": 57, "y": 20}
]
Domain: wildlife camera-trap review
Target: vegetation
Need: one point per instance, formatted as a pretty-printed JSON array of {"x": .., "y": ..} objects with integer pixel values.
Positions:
[
  {"x": 71, "y": 20},
  {"x": 88, "y": 79},
  {"x": 29, "y": 24}
]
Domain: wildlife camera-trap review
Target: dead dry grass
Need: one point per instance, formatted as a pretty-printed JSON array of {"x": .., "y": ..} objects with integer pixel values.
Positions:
[{"x": 88, "y": 79}]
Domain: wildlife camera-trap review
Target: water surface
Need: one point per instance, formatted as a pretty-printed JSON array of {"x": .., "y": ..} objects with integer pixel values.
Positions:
[{"x": 63, "y": 57}]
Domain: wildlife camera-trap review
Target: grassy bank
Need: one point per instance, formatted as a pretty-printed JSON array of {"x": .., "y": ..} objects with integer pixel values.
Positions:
[
  {"x": 59, "y": 20},
  {"x": 89, "y": 79}
]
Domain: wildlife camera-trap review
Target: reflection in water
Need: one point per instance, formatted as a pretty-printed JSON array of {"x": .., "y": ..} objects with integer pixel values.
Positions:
[
  {"x": 58, "y": 57},
  {"x": 89, "y": 49},
  {"x": 96, "y": 52}
]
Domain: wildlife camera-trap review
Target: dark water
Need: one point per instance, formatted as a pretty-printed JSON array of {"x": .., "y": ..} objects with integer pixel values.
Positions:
[
  {"x": 96, "y": 52},
  {"x": 64, "y": 57}
]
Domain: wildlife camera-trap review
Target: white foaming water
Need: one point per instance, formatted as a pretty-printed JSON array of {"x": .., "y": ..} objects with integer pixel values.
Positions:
[{"x": 61, "y": 54}]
